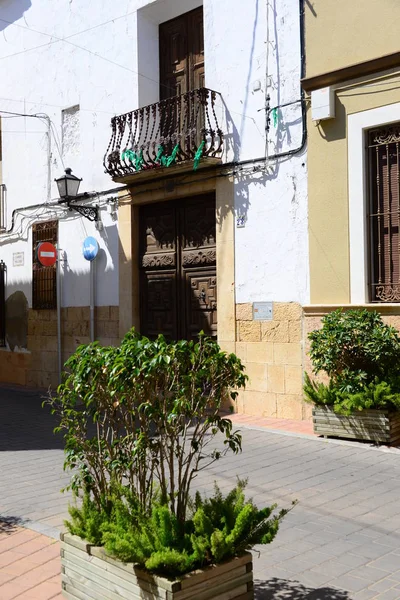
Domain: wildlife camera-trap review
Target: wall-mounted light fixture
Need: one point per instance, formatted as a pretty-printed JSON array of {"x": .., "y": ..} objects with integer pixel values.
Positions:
[{"x": 68, "y": 188}]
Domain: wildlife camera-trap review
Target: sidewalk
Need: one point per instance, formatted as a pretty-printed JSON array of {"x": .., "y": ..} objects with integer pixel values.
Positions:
[
  {"x": 341, "y": 542},
  {"x": 29, "y": 565},
  {"x": 30, "y": 562},
  {"x": 288, "y": 425}
]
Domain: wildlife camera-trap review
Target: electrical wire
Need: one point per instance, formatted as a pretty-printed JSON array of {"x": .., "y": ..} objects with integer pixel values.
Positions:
[
  {"x": 232, "y": 165},
  {"x": 80, "y": 32},
  {"x": 7, "y": 112},
  {"x": 301, "y": 147},
  {"x": 66, "y": 40},
  {"x": 42, "y": 117},
  {"x": 106, "y": 112},
  {"x": 56, "y": 204},
  {"x": 57, "y": 40}
]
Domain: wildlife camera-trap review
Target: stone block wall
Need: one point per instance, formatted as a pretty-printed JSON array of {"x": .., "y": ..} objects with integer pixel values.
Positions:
[
  {"x": 272, "y": 352},
  {"x": 14, "y": 367},
  {"x": 42, "y": 371}
]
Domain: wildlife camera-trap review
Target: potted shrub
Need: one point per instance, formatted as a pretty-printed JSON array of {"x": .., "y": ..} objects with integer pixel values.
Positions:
[
  {"x": 140, "y": 422},
  {"x": 361, "y": 356}
]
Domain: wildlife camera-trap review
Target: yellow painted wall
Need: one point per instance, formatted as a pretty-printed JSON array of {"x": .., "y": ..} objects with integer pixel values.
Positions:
[
  {"x": 349, "y": 31},
  {"x": 328, "y": 185}
]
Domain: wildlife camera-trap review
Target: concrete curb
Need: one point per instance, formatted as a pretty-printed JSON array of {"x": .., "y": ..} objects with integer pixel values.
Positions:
[{"x": 366, "y": 445}]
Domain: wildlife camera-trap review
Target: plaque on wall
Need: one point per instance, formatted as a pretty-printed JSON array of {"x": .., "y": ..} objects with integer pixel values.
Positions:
[
  {"x": 262, "y": 311},
  {"x": 18, "y": 259}
]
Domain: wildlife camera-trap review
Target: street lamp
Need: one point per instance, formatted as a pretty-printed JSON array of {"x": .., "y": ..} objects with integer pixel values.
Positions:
[{"x": 68, "y": 186}]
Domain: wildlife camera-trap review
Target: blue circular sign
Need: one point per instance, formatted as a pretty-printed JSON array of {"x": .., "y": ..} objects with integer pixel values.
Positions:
[{"x": 90, "y": 248}]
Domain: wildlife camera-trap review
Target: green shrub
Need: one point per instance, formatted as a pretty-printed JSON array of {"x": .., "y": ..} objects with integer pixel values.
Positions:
[
  {"x": 220, "y": 527},
  {"x": 361, "y": 356},
  {"x": 144, "y": 412},
  {"x": 355, "y": 348},
  {"x": 139, "y": 424},
  {"x": 376, "y": 395}
]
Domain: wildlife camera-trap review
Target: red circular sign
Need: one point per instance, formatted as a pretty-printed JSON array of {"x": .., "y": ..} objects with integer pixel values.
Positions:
[{"x": 47, "y": 254}]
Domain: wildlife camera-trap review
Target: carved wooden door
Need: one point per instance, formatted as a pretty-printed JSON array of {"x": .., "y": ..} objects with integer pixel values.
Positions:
[
  {"x": 178, "y": 277},
  {"x": 182, "y": 54}
]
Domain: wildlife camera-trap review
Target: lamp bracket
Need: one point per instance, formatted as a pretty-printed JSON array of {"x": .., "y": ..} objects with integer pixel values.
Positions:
[{"x": 89, "y": 212}]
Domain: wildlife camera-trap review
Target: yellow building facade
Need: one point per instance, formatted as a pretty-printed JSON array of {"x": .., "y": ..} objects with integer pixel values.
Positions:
[{"x": 352, "y": 55}]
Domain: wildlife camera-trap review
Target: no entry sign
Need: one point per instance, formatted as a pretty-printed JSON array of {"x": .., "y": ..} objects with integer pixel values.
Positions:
[{"x": 47, "y": 254}]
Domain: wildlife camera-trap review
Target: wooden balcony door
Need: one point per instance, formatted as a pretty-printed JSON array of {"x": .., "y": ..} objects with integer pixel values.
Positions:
[
  {"x": 178, "y": 271},
  {"x": 182, "y": 54}
]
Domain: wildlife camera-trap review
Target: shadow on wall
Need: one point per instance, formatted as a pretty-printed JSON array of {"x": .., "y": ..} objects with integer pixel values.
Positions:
[
  {"x": 310, "y": 5},
  {"x": 17, "y": 321},
  {"x": 11, "y": 11},
  {"x": 251, "y": 58},
  {"x": 274, "y": 589}
]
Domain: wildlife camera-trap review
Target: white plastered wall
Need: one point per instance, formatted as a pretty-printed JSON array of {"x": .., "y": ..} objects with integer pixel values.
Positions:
[{"x": 112, "y": 68}]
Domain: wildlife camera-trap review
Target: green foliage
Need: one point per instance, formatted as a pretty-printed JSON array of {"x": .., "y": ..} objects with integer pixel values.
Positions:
[
  {"x": 319, "y": 393},
  {"x": 139, "y": 424},
  {"x": 376, "y": 395},
  {"x": 355, "y": 348},
  {"x": 145, "y": 413},
  {"x": 87, "y": 520},
  {"x": 360, "y": 354},
  {"x": 220, "y": 527}
]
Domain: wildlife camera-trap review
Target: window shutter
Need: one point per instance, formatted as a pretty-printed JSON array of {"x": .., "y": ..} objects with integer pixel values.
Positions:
[{"x": 384, "y": 214}]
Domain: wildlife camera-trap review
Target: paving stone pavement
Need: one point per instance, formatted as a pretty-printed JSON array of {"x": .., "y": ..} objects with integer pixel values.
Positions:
[
  {"x": 340, "y": 542},
  {"x": 29, "y": 565}
]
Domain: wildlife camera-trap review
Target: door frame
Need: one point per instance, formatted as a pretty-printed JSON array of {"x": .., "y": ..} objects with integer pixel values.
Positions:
[{"x": 128, "y": 217}]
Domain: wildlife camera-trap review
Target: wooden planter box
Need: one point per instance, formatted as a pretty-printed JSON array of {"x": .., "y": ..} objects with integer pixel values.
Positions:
[
  {"x": 372, "y": 425},
  {"x": 89, "y": 574}
]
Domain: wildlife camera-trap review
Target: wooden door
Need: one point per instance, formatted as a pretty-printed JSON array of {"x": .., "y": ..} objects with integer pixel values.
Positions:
[
  {"x": 181, "y": 54},
  {"x": 178, "y": 277}
]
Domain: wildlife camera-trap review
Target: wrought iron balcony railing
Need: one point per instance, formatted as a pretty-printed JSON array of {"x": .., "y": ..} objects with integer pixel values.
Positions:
[{"x": 182, "y": 128}]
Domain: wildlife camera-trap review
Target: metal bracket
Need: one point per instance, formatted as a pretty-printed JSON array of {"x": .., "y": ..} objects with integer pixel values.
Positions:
[{"x": 89, "y": 212}]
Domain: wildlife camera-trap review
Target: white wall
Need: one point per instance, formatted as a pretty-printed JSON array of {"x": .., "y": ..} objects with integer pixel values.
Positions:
[
  {"x": 98, "y": 70},
  {"x": 95, "y": 70},
  {"x": 246, "y": 44}
]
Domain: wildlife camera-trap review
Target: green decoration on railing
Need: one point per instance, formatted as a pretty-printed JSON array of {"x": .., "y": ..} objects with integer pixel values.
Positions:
[
  {"x": 139, "y": 161},
  {"x": 136, "y": 159},
  {"x": 160, "y": 152},
  {"x": 166, "y": 161},
  {"x": 171, "y": 159},
  {"x": 128, "y": 154},
  {"x": 198, "y": 155}
]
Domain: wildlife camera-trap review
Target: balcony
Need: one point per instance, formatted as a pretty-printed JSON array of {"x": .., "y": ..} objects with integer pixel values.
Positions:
[{"x": 179, "y": 130}]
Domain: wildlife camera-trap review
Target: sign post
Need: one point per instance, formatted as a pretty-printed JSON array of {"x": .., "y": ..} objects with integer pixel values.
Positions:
[{"x": 90, "y": 250}]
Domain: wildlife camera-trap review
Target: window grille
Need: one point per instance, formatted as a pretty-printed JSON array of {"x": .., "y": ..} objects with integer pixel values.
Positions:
[
  {"x": 44, "y": 284},
  {"x": 384, "y": 213}
]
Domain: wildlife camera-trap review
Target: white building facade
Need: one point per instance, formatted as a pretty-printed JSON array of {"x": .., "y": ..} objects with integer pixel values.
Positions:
[{"x": 197, "y": 194}]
